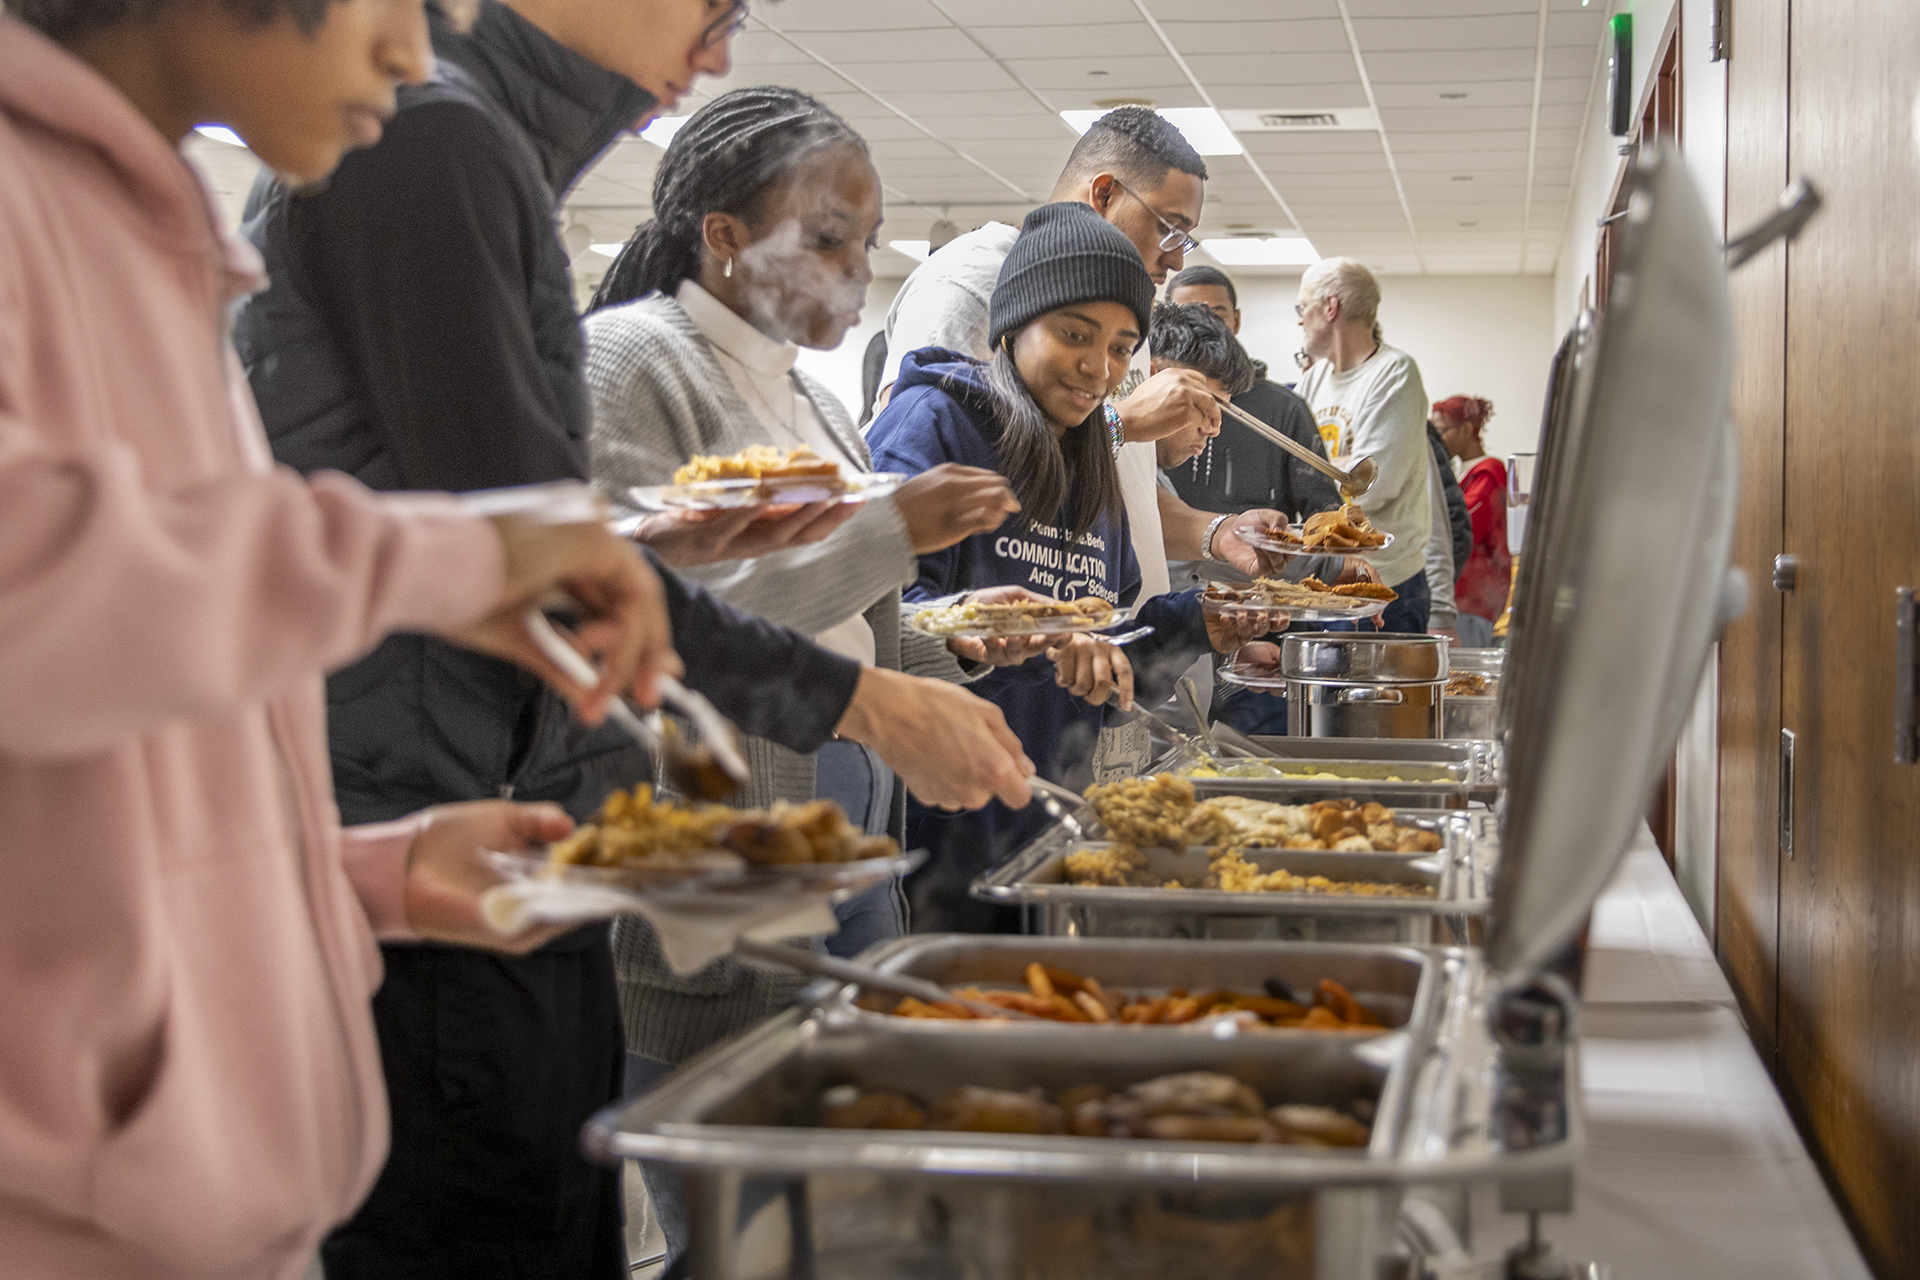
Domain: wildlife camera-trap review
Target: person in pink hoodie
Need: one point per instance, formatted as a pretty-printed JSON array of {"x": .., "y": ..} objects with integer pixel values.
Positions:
[{"x": 189, "y": 1080}]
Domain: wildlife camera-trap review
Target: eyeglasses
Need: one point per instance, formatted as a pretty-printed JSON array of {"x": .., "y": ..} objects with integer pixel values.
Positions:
[
  {"x": 728, "y": 25},
  {"x": 1174, "y": 238}
]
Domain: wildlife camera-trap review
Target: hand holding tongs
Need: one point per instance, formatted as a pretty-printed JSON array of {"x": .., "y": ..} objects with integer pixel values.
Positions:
[
  {"x": 1353, "y": 484},
  {"x": 713, "y": 771}
]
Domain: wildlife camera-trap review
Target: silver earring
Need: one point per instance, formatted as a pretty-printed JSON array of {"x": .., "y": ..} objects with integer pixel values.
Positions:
[{"x": 728, "y": 273}]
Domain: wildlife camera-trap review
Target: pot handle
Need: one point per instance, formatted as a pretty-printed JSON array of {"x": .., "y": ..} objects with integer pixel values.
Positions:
[{"x": 1390, "y": 696}]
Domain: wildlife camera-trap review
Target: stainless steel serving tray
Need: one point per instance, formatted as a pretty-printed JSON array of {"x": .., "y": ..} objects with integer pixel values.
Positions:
[
  {"x": 1460, "y": 874},
  {"x": 920, "y": 1203},
  {"x": 1435, "y": 774},
  {"x": 1395, "y": 983}
]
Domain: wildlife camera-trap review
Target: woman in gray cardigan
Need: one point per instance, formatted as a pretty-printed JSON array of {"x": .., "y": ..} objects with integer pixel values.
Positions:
[{"x": 766, "y": 205}]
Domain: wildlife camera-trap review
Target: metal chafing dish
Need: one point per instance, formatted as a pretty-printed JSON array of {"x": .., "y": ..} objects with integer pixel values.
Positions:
[
  {"x": 1397, "y": 984},
  {"x": 1349, "y": 684},
  {"x": 1431, "y": 774},
  {"x": 1619, "y": 596},
  {"x": 1459, "y": 874},
  {"x": 1473, "y": 715}
]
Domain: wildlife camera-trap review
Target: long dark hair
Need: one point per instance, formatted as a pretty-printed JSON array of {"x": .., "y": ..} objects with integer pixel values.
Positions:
[
  {"x": 723, "y": 157},
  {"x": 1046, "y": 469}
]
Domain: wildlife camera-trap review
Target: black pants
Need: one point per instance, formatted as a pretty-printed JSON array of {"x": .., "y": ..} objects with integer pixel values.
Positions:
[{"x": 493, "y": 1063}]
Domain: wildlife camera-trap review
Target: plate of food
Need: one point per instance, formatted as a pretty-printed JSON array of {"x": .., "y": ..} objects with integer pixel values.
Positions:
[
  {"x": 1344, "y": 532},
  {"x": 641, "y": 847},
  {"x": 966, "y": 616},
  {"x": 1252, "y": 675},
  {"x": 1309, "y": 600},
  {"x": 762, "y": 475}
]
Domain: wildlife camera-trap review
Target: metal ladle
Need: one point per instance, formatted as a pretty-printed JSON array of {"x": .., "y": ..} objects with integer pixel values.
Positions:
[{"x": 1354, "y": 483}]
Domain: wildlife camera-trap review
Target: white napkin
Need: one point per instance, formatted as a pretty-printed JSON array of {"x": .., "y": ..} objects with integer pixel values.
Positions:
[{"x": 693, "y": 933}]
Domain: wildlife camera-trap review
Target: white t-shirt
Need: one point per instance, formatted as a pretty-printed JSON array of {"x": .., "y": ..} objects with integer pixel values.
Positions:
[
  {"x": 945, "y": 303},
  {"x": 762, "y": 372},
  {"x": 1378, "y": 409}
]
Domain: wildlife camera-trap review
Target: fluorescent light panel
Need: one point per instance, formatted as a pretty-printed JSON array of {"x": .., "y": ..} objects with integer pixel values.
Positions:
[
  {"x": 1202, "y": 127},
  {"x": 610, "y": 250},
  {"x": 915, "y": 249},
  {"x": 1262, "y": 251},
  {"x": 220, "y": 133},
  {"x": 660, "y": 132}
]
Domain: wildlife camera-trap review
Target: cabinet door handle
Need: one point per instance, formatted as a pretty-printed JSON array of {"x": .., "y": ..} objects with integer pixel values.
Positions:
[
  {"x": 1906, "y": 676},
  {"x": 1786, "y": 792}
]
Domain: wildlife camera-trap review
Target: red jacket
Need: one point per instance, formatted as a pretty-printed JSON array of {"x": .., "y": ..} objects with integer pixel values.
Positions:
[{"x": 1482, "y": 584}]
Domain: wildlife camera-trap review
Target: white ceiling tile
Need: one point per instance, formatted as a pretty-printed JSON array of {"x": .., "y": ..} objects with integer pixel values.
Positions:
[
  {"x": 1571, "y": 61},
  {"x": 1512, "y": 160},
  {"x": 1240, "y": 35},
  {"x": 1026, "y": 13},
  {"x": 1480, "y": 93},
  {"x": 930, "y": 44},
  {"x": 1124, "y": 75},
  {"x": 851, "y": 15},
  {"x": 1240, "y": 10},
  {"x": 1097, "y": 40},
  {"x": 1460, "y": 64},
  {"x": 1407, "y": 140},
  {"x": 1277, "y": 97},
  {"x": 1583, "y": 27},
  {"x": 977, "y": 76},
  {"x": 1281, "y": 142},
  {"x": 931, "y": 102},
  {"x": 1273, "y": 68},
  {"x": 1364, "y": 9},
  {"x": 762, "y": 48},
  {"x": 1453, "y": 121},
  {"x": 1513, "y": 31}
]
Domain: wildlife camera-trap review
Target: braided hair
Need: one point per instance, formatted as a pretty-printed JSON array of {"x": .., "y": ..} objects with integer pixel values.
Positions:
[{"x": 725, "y": 155}]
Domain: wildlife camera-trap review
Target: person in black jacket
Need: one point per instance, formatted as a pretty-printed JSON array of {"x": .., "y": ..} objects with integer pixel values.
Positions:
[
  {"x": 420, "y": 333},
  {"x": 1238, "y": 469}
]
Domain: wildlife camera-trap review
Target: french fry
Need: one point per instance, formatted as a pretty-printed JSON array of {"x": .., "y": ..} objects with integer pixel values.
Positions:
[
  {"x": 1067, "y": 1010},
  {"x": 1038, "y": 982},
  {"x": 1096, "y": 1011},
  {"x": 1062, "y": 980},
  {"x": 1185, "y": 1009}
]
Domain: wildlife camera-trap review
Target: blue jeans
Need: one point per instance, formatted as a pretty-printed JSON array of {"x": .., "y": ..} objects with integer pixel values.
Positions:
[
  {"x": 1475, "y": 631},
  {"x": 1409, "y": 612}
]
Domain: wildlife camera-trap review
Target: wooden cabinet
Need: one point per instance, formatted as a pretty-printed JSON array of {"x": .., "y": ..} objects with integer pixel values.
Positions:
[{"x": 1824, "y": 946}]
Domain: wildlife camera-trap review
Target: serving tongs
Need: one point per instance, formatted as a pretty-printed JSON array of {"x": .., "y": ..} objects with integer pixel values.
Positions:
[
  {"x": 825, "y": 966},
  {"x": 713, "y": 770},
  {"x": 1354, "y": 483}
]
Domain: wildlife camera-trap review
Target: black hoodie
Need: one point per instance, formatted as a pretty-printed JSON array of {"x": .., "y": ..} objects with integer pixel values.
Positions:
[{"x": 420, "y": 333}]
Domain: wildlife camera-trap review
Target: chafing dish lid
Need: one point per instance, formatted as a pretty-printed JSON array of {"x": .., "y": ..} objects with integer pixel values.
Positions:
[
  {"x": 1352, "y": 657},
  {"x": 1621, "y": 588}
]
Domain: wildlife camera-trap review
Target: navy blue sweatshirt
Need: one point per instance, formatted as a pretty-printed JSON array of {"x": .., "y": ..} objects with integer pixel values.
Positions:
[{"x": 939, "y": 413}]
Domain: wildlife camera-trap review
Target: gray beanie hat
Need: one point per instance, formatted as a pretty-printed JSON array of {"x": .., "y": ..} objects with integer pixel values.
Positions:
[{"x": 1067, "y": 253}]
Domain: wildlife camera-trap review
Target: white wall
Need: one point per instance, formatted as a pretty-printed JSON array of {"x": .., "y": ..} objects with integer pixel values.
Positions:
[
  {"x": 1703, "y": 129},
  {"x": 1489, "y": 336}
]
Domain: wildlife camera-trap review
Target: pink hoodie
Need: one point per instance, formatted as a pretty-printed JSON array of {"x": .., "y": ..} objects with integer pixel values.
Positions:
[{"x": 189, "y": 1081}]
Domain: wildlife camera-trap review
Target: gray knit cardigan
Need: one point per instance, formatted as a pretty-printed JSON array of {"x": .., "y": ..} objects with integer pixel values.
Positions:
[{"x": 659, "y": 396}]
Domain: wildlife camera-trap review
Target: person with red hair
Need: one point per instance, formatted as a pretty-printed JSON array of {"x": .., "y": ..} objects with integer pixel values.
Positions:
[{"x": 1480, "y": 587}]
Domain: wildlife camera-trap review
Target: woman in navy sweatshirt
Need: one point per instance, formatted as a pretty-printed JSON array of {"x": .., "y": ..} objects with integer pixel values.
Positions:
[{"x": 1071, "y": 307}]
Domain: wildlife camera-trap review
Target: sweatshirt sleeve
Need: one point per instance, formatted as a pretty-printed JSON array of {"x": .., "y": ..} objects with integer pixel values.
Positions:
[
  {"x": 417, "y": 254},
  {"x": 914, "y": 434},
  {"x": 772, "y": 682},
  {"x": 123, "y": 606},
  {"x": 935, "y": 311}
]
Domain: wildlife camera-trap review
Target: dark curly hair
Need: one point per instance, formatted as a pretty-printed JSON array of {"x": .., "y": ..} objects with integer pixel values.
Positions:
[
  {"x": 1136, "y": 143},
  {"x": 722, "y": 159},
  {"x": 63, "y": 19},
  {"x": 1192, "y": 337}
]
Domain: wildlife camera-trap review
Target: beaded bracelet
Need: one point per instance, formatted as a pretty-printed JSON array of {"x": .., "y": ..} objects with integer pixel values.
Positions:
[{"x": 1115, "y": 432}]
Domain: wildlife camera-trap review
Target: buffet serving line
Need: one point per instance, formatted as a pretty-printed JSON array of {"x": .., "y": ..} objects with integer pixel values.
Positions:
[{"x": 1325, "y": 1005}]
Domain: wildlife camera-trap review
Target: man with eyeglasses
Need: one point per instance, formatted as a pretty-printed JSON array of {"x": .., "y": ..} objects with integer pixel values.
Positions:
[{"x": 1140, "y": 174}]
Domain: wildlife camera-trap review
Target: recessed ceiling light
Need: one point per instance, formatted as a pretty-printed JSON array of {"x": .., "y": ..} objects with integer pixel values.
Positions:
[
  {"x": 1453, "y": 97},
  {"x": 1097, "y": 75},
  {"x": 1463, "y": 177},
  {"x": 608, "y": 250},
  {"x": 1262, "y": 251},
  {"x": 915, "y": 249},
  {"x": 1469, "y": 224},
  {"x": 660, "y": 132},
  {"x": 220, "y": 133},
  {"x": 1202, "y": 126}
]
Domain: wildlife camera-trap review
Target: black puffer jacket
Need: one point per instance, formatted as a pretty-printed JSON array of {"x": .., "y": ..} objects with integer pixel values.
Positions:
[{"x": 420, "y": 333}]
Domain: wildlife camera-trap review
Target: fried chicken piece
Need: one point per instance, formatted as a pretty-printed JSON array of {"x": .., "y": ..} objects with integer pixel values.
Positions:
[
  {"x": 1317, "y": 1127},
  {"x": 974, "y": 1110}
]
